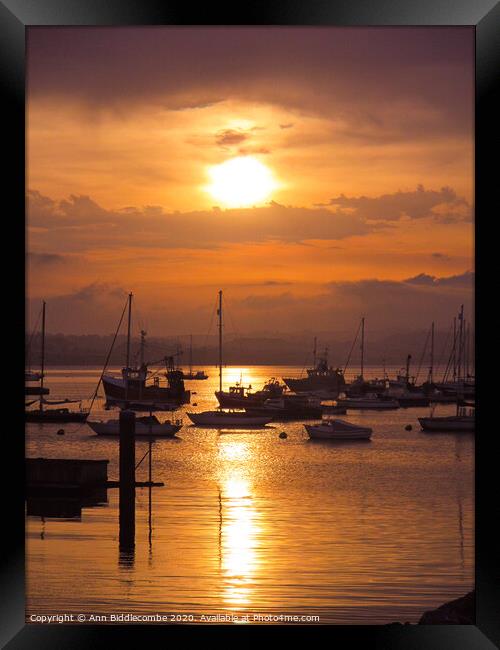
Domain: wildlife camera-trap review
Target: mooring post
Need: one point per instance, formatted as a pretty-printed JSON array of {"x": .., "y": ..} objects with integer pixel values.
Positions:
[{"x": 127, "y": 480}]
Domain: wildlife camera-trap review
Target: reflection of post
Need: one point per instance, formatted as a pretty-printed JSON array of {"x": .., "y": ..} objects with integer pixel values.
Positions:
[{"x": 127, "y": 480}]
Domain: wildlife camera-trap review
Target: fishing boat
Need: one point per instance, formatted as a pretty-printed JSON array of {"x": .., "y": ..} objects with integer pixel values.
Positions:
[
  {"x": 369, "y": 401},
  {"x": 240, "y": 396},
  {"x": 290, "y": 407},
  {"x": 132, "y": 385},
  {"x": 193, "y": 375},
  {"x": 220, "y": 418},
  {"x": 322, "y": 377},
  {"x": 51, "y": 415},
  {"x": 146, "y": 426},
  {"x": 337, "y": 430}
]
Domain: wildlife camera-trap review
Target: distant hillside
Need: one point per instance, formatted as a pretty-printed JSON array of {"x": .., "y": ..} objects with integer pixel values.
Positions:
[{"x": 91, "y": 350}]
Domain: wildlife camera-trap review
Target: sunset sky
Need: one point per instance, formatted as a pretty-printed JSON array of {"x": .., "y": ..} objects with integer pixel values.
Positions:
[{"x": 351, "y": 194}]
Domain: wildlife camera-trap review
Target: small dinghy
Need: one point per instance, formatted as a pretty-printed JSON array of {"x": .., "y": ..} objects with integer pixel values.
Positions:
[
  {"x": 148, "y": 426},
  {"x": 337, "y": 430}
]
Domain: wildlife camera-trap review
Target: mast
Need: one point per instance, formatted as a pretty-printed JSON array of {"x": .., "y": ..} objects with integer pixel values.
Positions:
[
  {"x": 219, "y": 313},
  {"x": 362, "y": 345},
  {"x": 314, "y": 352},
  {"x": 431, "y": 364},
  {"x": 42, "y": 361},
  {"x": 460, "y": 342},
  {"x": 127, "y": 362},
  {"x": 143, "y": 344},
  {"x": 408, "y": 359},
  {"x": 454, "y": 348},
  {"x": 191, "y": 354}
]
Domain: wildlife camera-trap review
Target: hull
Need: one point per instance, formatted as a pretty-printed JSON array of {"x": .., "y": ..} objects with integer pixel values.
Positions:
[
  {"x": 453, "y": 424},
  {"x": 112, "y": 428},
  {"x": 321, "y": 432},
  {"x": 226, "y": 400},
  {"x": 330, "y": 386},
  {"x": 54, "y": 416},
  {"x": 36, "y": 390},
  {"x": 407, "y": 402},
  {"x": 216, "y": 419},
  {"x": 369, "y": 404},
  {"x": 116, "y": 393},
  {"x": 281, "y": 415}
]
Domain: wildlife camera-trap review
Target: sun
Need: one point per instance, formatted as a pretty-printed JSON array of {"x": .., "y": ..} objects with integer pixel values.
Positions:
[{"x": 241, "y": 182}]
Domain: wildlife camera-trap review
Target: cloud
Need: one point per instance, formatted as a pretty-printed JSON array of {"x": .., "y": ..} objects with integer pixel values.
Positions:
[
  {"x": 79, "y": 223},
  {"x": 462, "y": 280},
  {"x": 230, "y": 137},
  {"x": 289, "y": 125},
  {"x": 43, "y": 260},
  {"x": 443, "y": 204}
]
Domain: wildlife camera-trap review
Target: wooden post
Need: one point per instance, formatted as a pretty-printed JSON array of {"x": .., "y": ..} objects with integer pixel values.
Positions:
[{"x": 127, "y": 480}]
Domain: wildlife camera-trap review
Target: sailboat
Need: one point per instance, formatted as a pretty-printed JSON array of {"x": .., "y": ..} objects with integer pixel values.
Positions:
[
  {"x": 220, "y": 418},
  {"x": 199, "y": 374},
  {"x": 145, "y": 426},
  {"x": 464, "y": 420},
  {"x": 132, "y": 388},
  {"x": 52, "y": 415}
]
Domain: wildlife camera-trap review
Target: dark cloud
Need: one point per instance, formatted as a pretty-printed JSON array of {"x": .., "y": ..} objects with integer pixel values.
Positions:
[
  {"x": 79, "y": 223},
  {"x": 378, "y": 82},
  {"x": 289, "y": 125},
  {"x": 46, "y": 259},
  {"x": 230, "y": 137},
  {"x": 462, "y": 280},
  {"x": 418, "y": 204}
]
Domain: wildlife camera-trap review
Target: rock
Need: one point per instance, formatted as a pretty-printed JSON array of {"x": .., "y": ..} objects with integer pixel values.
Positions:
[{"x": 461, "y": 611}]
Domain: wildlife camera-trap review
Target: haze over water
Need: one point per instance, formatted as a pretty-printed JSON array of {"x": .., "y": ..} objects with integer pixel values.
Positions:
[{"x": 249, "y": 523}]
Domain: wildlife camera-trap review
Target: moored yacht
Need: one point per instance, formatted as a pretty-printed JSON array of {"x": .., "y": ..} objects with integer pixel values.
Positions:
[{"x": 368, "y": 401}]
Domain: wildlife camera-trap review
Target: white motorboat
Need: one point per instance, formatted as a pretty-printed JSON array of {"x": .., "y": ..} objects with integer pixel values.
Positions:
[
  {"x": 337, "y": 430},
  {"x": 228, "y": 419},
  {"x": 369, "y": 401},
  {"x": 147, "y": 426}
]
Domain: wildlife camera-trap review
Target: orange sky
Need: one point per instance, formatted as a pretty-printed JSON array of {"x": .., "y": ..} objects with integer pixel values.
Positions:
[{"x": 367, "y": 134}]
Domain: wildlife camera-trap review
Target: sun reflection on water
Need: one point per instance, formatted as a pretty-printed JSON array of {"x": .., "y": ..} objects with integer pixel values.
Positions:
[{"x": 239, "y": 526}]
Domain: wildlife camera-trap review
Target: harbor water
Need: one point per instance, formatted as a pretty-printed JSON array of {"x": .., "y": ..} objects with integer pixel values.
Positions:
[{"x": 247, "y": 522}]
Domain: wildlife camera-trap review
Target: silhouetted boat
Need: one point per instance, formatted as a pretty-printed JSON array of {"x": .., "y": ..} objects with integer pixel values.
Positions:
[
  {"x": 132, "y": 385},
  {"x": 338, "y": 430},
  {"x": 324, "y": 378},
  {"x": 289, "y": 407},
  {"x": 240, "y": 396},
  {"x": 369, "y": 401},
  {"x": 146, "y": 426},
  {"x": 199, "y": 374},
  {"x": 464, "y": 420},
  {"x": 52, "y": 415}
]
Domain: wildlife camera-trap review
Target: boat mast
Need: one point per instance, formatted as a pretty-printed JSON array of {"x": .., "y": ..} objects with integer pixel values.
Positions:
[
  {"x": 219, "y": 313},
  {"x": 190, "y": 354},
  {"x": 431, "y": 365},
  {"x": 314, "y": 352},
  {"x": 460, "y": 342},
  {"x": 42, "y": 361},
  {"x": 127, "y": 362},
  {"x": 143, "y": 344},
  {"x": 362, "y": 345},
  {"x": 454, "y": 348}
]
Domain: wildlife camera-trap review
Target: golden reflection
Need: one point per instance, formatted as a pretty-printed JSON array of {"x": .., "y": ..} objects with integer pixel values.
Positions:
[{"x": 239, "y": 532}]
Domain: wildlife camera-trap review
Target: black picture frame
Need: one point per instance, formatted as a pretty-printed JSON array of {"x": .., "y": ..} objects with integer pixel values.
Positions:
[{"x": 15, "y": 17}]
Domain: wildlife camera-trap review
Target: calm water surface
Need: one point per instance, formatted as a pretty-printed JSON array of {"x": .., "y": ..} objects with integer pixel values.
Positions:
[{"x": 367, "y": 532}]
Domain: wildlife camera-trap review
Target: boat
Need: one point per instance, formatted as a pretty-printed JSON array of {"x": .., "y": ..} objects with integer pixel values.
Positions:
[
  {"x": 147, "y": 426},
  {"x": 240, "y": 396},
  {"x": 322, "y": 377},
  {"x": 132, "y": 385},
  {"x": 463, "y": 420},
  {"x": 368, "y": 401},
  {"x": 412, "y": 398},
  {"x": 290, "y": 407},
  {"x": 337, "y": 430},
  {"x": 220, "y": 418},
  {"x": 199, "y": 374},
  {"x": 51, "y": 415}
]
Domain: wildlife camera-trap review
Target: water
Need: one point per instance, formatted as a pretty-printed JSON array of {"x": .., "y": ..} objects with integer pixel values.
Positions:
[{"x": 367, "y": 532}]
